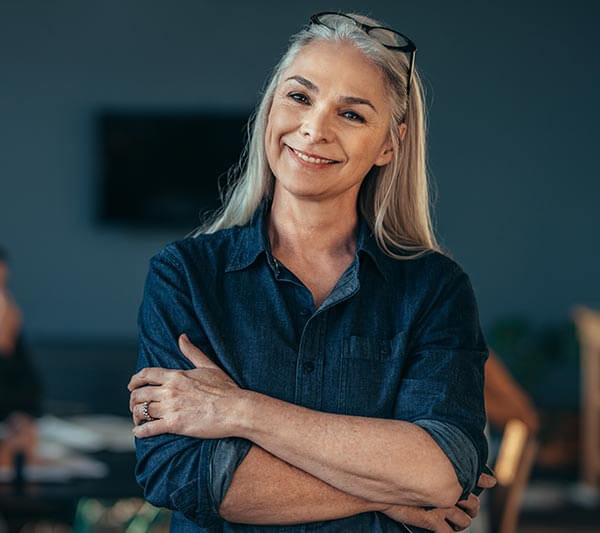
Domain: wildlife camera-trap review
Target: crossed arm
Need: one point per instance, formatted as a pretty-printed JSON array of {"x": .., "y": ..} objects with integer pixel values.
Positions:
[
  {"x": 266, "y": 489},
  {"x": 345, "y": 465},
  {"x": 305, "y": 465}
]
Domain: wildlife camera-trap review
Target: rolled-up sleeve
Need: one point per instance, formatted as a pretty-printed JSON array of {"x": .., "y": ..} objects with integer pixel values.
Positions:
[
  {"x": 458, "y": 448},
  {"x": 177, "y": 472},
  {"x": 443, "y": 378}
]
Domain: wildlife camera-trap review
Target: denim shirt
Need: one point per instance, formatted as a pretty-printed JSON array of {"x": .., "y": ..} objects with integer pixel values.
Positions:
[{"x": 396, "y": 339}]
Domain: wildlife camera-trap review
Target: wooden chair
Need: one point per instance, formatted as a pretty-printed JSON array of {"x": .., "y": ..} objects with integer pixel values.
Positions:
[
  {"x": 512, "y": 468},
  {"x": 587, "y": 322}
]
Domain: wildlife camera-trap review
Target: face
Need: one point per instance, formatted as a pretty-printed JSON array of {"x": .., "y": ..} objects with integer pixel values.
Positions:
[{"x": 329, "y": 122}]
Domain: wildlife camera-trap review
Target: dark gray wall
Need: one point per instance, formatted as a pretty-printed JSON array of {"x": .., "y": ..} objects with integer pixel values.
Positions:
[{"x": 513, "y": 139}]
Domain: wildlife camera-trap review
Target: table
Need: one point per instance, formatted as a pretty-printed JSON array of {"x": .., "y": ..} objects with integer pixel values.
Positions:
[{"x": 58, "y": 501}]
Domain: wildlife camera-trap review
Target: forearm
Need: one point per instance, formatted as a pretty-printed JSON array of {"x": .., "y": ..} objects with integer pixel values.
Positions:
[
  {"x": 267, "y": 490},
  {"x": 389, "y": 461}
]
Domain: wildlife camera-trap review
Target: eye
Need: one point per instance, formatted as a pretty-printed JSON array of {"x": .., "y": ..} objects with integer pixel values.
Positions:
[
  {"x": 299, "y": 97},
  {"x": 354, "y": 117}
]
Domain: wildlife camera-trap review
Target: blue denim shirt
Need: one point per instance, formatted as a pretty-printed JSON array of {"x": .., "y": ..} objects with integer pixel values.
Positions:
[{"x": 394, "y": 339}]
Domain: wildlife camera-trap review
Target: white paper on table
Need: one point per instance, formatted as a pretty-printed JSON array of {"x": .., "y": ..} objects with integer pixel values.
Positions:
[
  {"x": 115, "y": 431},
  {"x": 54, "y": 429},
  {"x": 63, "y": 442},
  {"x": 57, "y": 464},
  {"x": 89, "y": 433}
]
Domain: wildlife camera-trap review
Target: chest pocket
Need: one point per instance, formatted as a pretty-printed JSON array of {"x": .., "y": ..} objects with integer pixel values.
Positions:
[{"x": 370, "y": 373}]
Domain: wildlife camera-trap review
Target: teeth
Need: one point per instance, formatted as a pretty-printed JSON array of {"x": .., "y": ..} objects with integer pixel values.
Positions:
[{"x": 305, "y": 157}]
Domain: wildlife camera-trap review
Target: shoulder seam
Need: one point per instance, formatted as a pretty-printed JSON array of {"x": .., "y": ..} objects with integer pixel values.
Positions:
[{"x": 170, "y": 258}]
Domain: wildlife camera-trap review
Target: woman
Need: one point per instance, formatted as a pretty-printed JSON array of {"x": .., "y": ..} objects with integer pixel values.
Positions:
[{"x": 332, "y": 367}]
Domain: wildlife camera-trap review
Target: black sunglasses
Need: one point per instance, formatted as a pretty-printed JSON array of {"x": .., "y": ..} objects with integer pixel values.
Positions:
[{"x": 392, "y": 39}]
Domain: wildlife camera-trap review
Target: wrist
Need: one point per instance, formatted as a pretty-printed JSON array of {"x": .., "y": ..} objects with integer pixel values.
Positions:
[
  {"x": 380, "y": 506},
  {"x": 244, "y": 413}
]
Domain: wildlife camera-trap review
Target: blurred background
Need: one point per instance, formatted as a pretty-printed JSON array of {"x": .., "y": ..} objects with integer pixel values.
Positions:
[{"x": 116, "y": 119}]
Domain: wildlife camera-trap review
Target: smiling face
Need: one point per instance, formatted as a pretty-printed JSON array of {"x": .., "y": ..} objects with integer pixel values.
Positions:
[{"x": 329, "y": 121}]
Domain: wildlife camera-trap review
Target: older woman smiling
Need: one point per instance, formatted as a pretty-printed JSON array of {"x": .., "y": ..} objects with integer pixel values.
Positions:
[{"x": 311, "y": 355}]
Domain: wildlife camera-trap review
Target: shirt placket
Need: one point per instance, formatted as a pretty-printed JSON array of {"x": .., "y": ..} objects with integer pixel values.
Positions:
[{"x": 310, "y": 362}]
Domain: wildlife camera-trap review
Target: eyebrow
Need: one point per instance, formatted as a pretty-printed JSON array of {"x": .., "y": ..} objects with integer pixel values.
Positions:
[{"x": 344, "y": 99}]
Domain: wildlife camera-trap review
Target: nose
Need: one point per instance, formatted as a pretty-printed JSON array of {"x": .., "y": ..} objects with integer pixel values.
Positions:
[{"x": 316, "y": 125}]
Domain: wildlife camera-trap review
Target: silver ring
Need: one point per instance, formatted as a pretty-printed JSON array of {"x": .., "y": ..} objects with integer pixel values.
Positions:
[{"x": 145, "y": 411}]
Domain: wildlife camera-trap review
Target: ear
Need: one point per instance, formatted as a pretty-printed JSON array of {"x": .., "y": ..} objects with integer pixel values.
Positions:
[{"x": 387, "y": 151}]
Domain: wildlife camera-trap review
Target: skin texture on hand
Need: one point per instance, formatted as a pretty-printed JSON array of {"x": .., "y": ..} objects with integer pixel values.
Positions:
[{"x": 201, "y": 403}]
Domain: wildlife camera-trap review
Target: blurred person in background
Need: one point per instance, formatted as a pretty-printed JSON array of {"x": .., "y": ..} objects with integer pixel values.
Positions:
[{"x": 20, "y": 390}]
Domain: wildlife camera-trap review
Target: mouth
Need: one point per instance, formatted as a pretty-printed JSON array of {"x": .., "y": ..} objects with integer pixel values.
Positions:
[{"x": 310, "y": 159}]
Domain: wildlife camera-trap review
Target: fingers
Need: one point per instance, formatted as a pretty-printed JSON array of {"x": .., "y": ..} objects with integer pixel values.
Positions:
[
  {"x": 470, "y": 505},
  {"x": 459, "y": 519},
  {"x": 438, "y": 523},
  {"x": 148, "y": 376},
  {"x": 152, "y": 428},
  {"x": 486, "y": 481},
  {"x": 154, "y": 410},
  {"x": 144, "y": 394},
  {"x": 194, "y": 354},
  {"x": 158, "y": 376}
]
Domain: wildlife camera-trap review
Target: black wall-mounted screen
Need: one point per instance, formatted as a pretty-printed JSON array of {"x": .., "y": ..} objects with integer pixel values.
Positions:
[{"x": 160, "y": 170}]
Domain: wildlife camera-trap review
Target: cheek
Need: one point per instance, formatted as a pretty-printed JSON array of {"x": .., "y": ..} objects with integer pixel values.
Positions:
[
  {"x": 272, "y": 140},
  {"x": 359, "y": 148},
  {"x": 280, "y": 124},
  {"x": 283, "y": 119},
  {"x": 367, "y": 148}
]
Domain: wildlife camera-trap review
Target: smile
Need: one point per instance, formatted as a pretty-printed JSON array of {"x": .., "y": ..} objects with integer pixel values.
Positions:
[{"x": 309, "y": 159}]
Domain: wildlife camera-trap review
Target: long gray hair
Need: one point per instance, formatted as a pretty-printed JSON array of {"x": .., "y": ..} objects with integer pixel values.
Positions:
[{"x": 394, "y": 198}]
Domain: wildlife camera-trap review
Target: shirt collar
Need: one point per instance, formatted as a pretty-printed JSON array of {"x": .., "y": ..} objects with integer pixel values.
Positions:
[{"x": 255, "y": 240}]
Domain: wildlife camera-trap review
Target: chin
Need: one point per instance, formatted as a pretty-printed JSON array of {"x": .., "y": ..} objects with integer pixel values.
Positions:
[{"x": 298, "y": 187}]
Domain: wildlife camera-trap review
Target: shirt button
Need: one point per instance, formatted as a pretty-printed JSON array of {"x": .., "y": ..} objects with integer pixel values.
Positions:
[
  {"x": 308, "y": 367},
  {"x": 305, "y": 312}
]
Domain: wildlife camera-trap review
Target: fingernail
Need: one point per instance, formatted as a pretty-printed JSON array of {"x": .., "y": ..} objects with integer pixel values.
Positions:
[{"x": 185, "y": 337}]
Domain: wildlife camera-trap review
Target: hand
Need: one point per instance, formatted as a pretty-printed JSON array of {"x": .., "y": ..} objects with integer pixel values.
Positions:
[
  {"x": 442, "y": 520},
  {"x": 10, "y": 323},
  {"x": 201, "y": 403}
]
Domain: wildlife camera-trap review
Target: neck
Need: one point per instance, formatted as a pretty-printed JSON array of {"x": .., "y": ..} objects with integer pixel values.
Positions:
[{"x": 312, "y": 230}]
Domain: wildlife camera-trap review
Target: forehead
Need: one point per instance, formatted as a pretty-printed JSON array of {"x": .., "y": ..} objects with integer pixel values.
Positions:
[{"x": 341, "y": 68}]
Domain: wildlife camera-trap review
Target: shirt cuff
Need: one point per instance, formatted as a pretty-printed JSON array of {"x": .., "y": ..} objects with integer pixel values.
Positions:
[
  {"x": 459, "y": 449},
  {"x": 226, "y": 457}
]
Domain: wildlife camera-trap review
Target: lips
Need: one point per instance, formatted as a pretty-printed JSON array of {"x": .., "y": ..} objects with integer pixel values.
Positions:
[{"x": 309, "y": 157}]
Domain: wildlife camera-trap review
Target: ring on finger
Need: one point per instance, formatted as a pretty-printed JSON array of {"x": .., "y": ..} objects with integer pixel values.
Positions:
[{"x": 145, "y": 411}]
